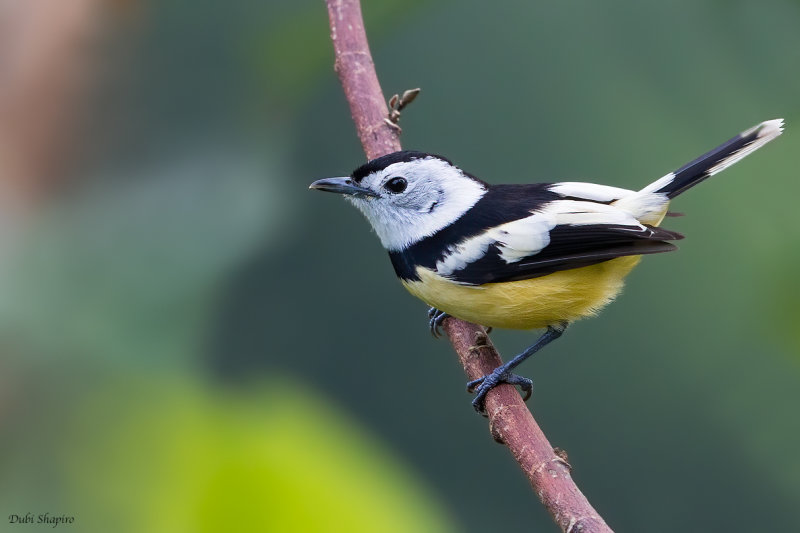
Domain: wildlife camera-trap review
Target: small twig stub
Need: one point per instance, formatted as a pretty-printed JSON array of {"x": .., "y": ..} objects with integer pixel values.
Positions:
[{"x": 397, "y": 103}]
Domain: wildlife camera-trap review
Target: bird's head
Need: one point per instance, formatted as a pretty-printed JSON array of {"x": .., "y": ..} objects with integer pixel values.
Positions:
[{"x": 407, "y": 196}]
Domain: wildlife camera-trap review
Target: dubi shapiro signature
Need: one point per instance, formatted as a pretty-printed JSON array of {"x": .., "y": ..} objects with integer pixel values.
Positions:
[{"x": 44, "y": 518}]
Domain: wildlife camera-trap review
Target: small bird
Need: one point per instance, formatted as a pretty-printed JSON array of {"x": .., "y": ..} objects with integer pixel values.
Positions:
[{"x": 529, "y": 256}]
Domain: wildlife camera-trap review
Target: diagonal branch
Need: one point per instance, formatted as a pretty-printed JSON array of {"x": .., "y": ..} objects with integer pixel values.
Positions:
[{"x": 510, "y": 421}]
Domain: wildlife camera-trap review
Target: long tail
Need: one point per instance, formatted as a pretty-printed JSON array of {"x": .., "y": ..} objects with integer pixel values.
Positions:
[{"x": 716, "y": 160}]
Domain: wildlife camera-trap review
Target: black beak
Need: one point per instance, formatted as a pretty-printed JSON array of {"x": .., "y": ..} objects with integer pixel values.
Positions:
[{"x": 342, "y": 186}]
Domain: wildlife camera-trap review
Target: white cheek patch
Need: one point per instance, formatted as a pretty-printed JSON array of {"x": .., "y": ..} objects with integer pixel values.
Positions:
[{"x": 438, "y": 194}]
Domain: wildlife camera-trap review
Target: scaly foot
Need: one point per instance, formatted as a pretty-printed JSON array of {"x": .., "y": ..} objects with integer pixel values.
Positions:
[{"x": 483, "y": 385}]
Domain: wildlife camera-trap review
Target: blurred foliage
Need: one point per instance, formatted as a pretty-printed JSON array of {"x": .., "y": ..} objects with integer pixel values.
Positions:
[
  {"x": 128, "y": 271},
  {"x": 160, "y": 315},
  {"x": 189, "y": 458}
]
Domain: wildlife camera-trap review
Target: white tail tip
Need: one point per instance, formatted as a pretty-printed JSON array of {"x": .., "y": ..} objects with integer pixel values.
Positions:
[
  {"x": 768, "y": 128},
  {"x": 764, "y": 133}
]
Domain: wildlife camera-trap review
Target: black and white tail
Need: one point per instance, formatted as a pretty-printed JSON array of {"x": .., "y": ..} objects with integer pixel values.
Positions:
[{"x": 716, "y": 160}]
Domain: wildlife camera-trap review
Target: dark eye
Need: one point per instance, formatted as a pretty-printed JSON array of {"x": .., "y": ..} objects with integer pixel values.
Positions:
[{"x": 396, "y": 185}]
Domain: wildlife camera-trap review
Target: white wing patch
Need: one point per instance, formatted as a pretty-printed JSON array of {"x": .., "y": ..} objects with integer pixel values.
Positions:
[
  {"x": 528, "y": 236},
  {"x": 660, "y": 183},
  {"x": 589, "y": 191},
  {"x": 649, "y": 207},
  {"x": 524, "y": 237},
  {"x": 645, "y": 205},
  {"x": 576, "y": 213},
  {"x": 467, "y": 251},
  {"x": 515, "y": 240}
]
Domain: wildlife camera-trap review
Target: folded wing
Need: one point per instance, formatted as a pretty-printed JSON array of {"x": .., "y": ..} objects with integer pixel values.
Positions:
[{"x": 561, "y": 235}]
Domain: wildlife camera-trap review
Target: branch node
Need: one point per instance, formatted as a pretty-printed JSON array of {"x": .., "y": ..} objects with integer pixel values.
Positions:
[
  {"x": 584, "y": 523},
  {"x": 393, "y": 123},
  {"x": 562, "y": 457},
  {"x": 496, "y": 431},
  {"x": 481, "y": 341}
]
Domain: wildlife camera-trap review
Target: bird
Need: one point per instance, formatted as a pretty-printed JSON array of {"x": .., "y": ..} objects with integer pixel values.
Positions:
[{"x": 520, "y": 256}]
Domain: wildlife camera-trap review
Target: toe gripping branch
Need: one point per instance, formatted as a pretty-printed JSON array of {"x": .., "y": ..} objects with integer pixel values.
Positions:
[
  {"x": 436, "y": 318},
  {"x": 502, "y": 374}
]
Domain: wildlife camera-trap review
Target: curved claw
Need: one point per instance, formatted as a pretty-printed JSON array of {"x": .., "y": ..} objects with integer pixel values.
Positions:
[
  {"x": 435, "y": 322},
  {"x": 483, "y": 385},
  {"x": 524, "y": 384},
  {"x": 474, "y": 383}
]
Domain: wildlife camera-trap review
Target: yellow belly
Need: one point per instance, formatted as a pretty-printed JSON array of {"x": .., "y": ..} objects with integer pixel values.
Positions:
[{"x": 527, "y": 304}]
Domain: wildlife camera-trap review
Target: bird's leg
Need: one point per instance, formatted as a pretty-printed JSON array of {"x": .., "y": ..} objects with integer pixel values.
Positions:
[
  {"x": 502, "y": 374},
  {"x": 436, "y": 318}
]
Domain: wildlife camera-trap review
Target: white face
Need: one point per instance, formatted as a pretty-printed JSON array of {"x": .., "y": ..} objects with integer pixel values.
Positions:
[{"x": 416, "y": 199}]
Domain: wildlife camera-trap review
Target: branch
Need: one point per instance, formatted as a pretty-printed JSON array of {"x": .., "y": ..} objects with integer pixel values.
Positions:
[
  {"x": 45, "y": 65},
  {"x": 360, "y": 82},
  {"x": 510, "y": 421}
]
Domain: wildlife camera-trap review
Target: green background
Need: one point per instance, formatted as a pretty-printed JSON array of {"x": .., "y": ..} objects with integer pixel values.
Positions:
[{"x": 193, "y": 341}]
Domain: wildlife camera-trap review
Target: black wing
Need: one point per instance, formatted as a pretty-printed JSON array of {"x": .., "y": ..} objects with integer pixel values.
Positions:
[{"x": 571, "y": 246}]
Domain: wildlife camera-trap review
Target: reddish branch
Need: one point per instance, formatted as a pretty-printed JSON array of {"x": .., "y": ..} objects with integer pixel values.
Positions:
[
  {"x": 45, "y": 64},
  {"x": 510, "y": 421}
]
